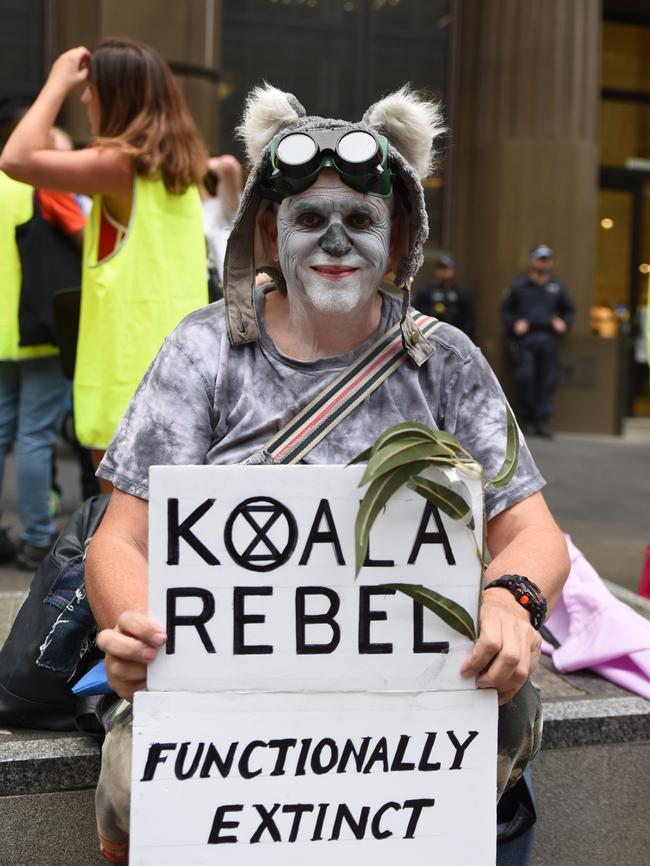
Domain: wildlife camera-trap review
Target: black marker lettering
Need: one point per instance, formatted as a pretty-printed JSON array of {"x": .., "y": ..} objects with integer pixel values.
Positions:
[
  {"x": 327, "y": 618},
  {"x": 460, "y": 747},
  {"x": 212, "y": 756},
  {"x": 375, "y": 827},
  {"x": 267, "y": 823},
  {"x": 298, "y": 810},
  {"x": 215, "y": 837},
  {"x": 244, "y": 769},
  {"x": 424, "y": 764},
  {"x": 419, "y": 644},
  {"x": 156, "y": 757},
  {"x": 179, "y": 766},
  {"x": 326, "y": 536},
  {"x": 416, "y": 806},
  {"x": 196, "y": 621},
  {"x": 242, "y": 619},
  {"x": 366, "y": 616},
  {"x": 283, "y": 747},
  {"x": 424, "y": 537},
  {"x": 358, "y": 827},
  {"x": 176, "y": 531}
]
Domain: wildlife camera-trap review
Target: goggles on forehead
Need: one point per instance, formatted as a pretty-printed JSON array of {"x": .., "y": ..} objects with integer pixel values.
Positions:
[{"x": 359, "y": 157}]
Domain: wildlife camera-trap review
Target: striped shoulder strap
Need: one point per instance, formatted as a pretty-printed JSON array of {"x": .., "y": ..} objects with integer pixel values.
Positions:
[{"x": 340, "y": 397}]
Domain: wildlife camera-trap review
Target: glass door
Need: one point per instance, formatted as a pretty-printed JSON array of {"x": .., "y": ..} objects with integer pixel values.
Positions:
[{"x": 622, "y": 269}]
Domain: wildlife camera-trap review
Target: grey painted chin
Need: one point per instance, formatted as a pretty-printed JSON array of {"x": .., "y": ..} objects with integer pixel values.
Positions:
[{"x": 334, "y": 299}]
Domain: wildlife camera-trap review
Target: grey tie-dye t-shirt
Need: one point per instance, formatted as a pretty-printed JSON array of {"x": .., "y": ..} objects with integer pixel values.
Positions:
[{"x": 203, "y": 401}]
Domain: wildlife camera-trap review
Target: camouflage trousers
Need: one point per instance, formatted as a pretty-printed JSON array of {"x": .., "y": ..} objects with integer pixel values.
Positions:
[{"x": 519, "y": 741}]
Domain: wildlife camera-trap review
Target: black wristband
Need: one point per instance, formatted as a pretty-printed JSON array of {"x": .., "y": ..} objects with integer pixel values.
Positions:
[{"x": 527, "y": 593}]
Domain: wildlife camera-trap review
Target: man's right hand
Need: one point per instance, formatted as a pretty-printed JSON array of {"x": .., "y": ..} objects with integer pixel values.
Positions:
[
  {"x": 521, "y": 327},
  {"x": 129, "y": 648}
]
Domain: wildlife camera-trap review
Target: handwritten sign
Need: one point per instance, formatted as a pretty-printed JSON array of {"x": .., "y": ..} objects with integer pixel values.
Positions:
[
  {"x": 252, "y": 574},
  {"x": 282, "y": 779},
  {"x": 300, "y": 713}
]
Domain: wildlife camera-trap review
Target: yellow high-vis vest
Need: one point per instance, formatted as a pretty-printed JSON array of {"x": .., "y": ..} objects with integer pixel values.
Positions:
[
  {"x": 16, "y": 207},
  {"x": 132, "y": 299}
]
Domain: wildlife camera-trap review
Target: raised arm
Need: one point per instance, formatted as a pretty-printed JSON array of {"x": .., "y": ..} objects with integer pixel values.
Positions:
[
  {"x": 28, "y": 155},
  {"x": 229, "y": 173},
  {"x": 116, "y": 582},
  {"x": 524, "y": 539}
]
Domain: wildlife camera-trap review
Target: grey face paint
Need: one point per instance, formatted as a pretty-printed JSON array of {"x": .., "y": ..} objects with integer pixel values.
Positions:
[
  {"x": 335, "y": 241},
  {"x": 334, "y": 245}
]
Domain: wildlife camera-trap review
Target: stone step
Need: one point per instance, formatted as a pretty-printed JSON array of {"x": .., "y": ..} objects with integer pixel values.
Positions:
[{"x": 47, "y": 804}]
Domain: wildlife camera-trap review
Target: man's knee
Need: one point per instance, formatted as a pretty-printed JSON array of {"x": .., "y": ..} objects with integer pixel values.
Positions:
[
  {"x": 520, "y": 735},
  {"x": 113, "y": 795}
]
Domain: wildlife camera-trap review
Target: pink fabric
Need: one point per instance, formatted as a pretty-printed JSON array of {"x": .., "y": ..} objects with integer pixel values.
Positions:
[{"x": 597, "y": 631}]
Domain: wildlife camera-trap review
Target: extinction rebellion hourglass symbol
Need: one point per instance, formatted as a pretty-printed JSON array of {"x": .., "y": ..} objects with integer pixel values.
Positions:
[{"x": 274, "y": 534}]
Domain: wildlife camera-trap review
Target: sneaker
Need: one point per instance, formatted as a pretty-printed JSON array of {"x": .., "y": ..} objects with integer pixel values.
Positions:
[
  {"x": 29, "y": 556},
  {"x": 7, "y": 547}
]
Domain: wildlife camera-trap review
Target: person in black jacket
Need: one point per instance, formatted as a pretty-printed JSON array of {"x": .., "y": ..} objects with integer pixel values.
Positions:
[
  {"x": 444, "y": 300},
  {"x": 536, "y": 311}
]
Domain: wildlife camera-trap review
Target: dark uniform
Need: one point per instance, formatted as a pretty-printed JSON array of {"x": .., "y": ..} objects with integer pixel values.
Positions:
[
  {"x": 448, "y": 304},
  {"x": 535, "y": 354}
]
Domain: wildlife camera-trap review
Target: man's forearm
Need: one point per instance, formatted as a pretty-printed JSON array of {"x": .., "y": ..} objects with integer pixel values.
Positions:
[
  {"x": 116, "y": 578},
  {"x": 539, "y": 553}
]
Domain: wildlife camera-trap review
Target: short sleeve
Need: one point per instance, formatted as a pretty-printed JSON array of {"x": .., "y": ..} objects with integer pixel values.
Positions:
[
  {"x": 474, "y": 408},
  {"x": 169, "y": 421}
]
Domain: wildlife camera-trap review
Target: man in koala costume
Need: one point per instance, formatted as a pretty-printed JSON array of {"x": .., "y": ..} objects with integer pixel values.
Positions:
[{"x": 330, "y": 209}]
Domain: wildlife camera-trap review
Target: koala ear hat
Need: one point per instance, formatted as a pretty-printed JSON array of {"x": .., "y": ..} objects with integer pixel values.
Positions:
[{"x": 409, "y": 123}]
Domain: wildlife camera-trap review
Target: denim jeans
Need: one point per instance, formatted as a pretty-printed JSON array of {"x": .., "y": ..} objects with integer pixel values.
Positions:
[
  {"x": 34, "y": 395},
  {"x": 517, "y": 851}
]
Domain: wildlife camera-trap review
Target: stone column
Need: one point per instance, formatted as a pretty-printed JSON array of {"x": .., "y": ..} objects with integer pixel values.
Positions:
[
  {"x": 525, "y": 148},
  {"x": 186, "y": 31}
]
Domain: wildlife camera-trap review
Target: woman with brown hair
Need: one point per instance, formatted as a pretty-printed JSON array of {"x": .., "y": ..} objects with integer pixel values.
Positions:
[{"x": 144, "y": 264}]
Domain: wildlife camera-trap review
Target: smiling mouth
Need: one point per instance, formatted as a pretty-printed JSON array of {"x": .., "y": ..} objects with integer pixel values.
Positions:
[{"x": 334, "y": 272}]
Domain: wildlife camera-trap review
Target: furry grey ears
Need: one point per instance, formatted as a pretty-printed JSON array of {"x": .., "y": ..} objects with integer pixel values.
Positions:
[
  {"x": 267, "y": 111},
  {"x": 410, "y": 124}
]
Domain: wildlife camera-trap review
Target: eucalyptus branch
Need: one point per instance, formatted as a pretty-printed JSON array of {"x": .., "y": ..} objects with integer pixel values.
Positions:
[{"x": 396, "y": 459}]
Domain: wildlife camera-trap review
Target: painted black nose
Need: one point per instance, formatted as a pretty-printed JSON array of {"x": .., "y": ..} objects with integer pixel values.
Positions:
[{"x": 335, "y": 241}]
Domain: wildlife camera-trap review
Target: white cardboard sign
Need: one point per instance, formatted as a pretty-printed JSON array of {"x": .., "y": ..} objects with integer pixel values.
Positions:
[
  {"x": 252, "y": 575},
  {"x": 288, "y": 779}
]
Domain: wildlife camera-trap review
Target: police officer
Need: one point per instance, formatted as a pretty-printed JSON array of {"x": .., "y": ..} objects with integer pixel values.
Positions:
[
  {"x": 536, "y": 311},
  {"x": 444, "y": 300}
]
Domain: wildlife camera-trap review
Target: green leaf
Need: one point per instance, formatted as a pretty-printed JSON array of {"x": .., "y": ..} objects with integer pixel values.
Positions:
[
  {"x": 462, "y": 490},
  {"x": 376, "y": 497},
  {"x": 509, "y": 467},
  {"x": 398, "y": 453},
  {"x": 418, "y": 430},
  {"x": 363, "y": 457},
  {"x": 449, "y": 611},
  {"x": 444, "y": 498}
]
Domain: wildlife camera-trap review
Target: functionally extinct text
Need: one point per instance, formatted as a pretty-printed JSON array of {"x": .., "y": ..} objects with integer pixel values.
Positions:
[{"x": 309, "y": 776}]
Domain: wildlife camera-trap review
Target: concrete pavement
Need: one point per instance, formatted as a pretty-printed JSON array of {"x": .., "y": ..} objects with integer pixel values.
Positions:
[{"x": 599, "y": 492}]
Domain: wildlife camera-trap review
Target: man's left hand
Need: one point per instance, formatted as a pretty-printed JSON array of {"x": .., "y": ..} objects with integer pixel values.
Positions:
[
  {"x": 508, "y": 647},
  {"x": 558, "y": 325}
]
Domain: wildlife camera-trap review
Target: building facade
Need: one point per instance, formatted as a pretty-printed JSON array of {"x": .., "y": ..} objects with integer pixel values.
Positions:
[{"x": 548, "y": 107}]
